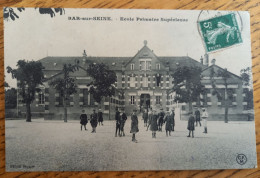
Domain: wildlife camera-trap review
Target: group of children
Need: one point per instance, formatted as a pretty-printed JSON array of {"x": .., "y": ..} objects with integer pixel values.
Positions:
[
  {"x": 192, "y": 120},
  {"x": 95, "y": 118}
]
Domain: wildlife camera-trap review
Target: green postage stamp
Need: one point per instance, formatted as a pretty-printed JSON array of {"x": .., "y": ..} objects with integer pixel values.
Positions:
[{"x": 220, "y": 32}]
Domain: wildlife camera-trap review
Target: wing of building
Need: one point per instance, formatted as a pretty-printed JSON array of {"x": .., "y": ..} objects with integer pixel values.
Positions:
[{"x": 143, "y": 80}]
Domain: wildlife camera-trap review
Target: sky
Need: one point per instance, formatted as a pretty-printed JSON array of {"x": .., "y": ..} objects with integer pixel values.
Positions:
[{"x": 34, "y": 36}]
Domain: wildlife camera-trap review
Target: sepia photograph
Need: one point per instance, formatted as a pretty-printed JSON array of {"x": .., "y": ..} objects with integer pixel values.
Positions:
[{"x": 121, "y": 90}]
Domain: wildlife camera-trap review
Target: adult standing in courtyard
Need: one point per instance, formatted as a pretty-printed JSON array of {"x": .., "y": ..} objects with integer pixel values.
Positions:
[
  {"x": 123, "y": 119},
  {"x": 145, "y": 117},
  {"x": 83, "y": 120},
  {"x": 134, "y": 125},
  {"x": 150, "y": 114},
  {"x": 172, "y": 115},
  {"x": 191, "y": 127},
  {"x": 168, "y": 124},
  {"x": 117, "y": 118},
  {"x": 204, "y": 117},
  {"x": 197, "y": 116},
  {"x": 160, "y": 121},
  {"x": 154, "y": 126},
  {"x": 93, "y": 121},
  {"x": 100, "y": 117}
]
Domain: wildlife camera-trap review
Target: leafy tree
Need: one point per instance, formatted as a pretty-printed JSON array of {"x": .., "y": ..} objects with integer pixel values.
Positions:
[
  {"x": 10, "y": 98},
  {"x": 66, "y": 85},
  {"x": 10, "y": 12},
  {"x": 227, "y": 96},
  {"x": 102, "y": 83},
  {"x": 187, "y": 84},
  {"x": 29, "y": 76},
  {"x": 248, "y": 91}
]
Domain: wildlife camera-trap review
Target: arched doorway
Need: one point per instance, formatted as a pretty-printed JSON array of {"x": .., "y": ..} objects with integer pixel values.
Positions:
[{"x": 144, "y": 101}]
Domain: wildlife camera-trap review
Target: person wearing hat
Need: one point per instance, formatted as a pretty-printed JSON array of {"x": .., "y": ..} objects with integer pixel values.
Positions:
[
  {"x": 100, "y": 117},
  {"x": 172, "y": 115},
  {"x": 150, "y": 114},
  {"x": 190, "y": 126},
  {"x": 123, "y": 118},
  {"x": 145, "y": 117},
  {"x": 204, "y": 117},
  {"x": 83, "y": 120},
  {"x": 160, "y": 121},
  {"x": 154, "y": 126},
  {"x": 93, "y": 121},
  {"x": 168, "y": 124},
  {"x": 117, "y": 118},
  {"x": 134, "y": 125},
  {"x": 197, "y": 116}
]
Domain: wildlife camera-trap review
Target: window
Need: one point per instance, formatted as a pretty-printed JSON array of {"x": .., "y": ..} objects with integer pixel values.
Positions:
[
  {"x": 132, "y": 99},
  {"x": 145, "y": 64},
  {"x": 106, "y": 107},
  {"x": 158, "y": 66},
  {"x": 132, "y": 81},
  {"x": 85, "y": 97},
  {"x": 91, "y": 100},
  {"x": 132, "y": 66},
  {"x": 158, "y": 99},
  {"x": 183, "y": 108},
  {"x": 123, "y": 85},
  {"x": 145, "y": 82},
  {"x": 41, "y": 98}
]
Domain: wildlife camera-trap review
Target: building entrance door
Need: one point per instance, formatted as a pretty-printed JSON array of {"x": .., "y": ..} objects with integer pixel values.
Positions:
[{"x": 144, "y": 101}]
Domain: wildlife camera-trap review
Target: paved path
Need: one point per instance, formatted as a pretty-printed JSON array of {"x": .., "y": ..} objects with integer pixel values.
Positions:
[{"x": 58, "y": 146}]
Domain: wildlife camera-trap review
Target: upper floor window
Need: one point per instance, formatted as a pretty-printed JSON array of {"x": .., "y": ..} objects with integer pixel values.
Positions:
[
  {"x": 132, "y": 66},
  {"x": 158, "y": 66},
  {"x": 145, "y": 64}
]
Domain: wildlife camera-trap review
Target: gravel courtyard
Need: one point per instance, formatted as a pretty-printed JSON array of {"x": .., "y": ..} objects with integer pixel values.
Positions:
[{"x": 58, "y": 146}]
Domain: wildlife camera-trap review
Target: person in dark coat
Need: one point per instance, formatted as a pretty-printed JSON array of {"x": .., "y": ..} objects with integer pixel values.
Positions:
[
  {"x": 160, "y": 121},
  {"x": 145, "y": 117},
  {"x": 172, "y": 115},
  {"x": 168, "y": 123},
  {"x": 117, "y": 118},
  {"x": 83, "y": 120},
  {"x": 197, "y": 116},
  {"x": 191, "y": 127},
  {"x": 123, "y": 118},
  {"x": 100, "y": 117},
  {"x": 154, "y": 126},
  {"x": 93, "y": 121},
  {"x": 150, "y": 113},
  {"x": 134, "y": 125}
]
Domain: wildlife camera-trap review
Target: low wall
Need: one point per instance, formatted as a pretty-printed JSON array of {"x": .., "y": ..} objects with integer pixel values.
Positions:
[
  {"x": 221, "y": 117},
  {"x": 74, "y": 116}
]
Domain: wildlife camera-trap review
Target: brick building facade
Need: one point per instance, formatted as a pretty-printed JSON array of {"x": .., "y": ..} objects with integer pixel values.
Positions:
[{"x": 144, "y": 80}]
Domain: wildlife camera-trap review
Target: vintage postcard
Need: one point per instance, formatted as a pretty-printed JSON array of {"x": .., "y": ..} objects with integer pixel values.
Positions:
[{"x": 112, "y": 90}]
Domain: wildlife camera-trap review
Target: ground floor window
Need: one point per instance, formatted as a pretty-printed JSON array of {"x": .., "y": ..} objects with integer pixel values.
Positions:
[
  {"x": 41, "y": 98},
  {"x": 132, "y": 99}
]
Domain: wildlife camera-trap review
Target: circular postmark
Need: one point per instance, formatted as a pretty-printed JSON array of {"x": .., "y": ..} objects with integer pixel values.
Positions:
[{"x": 241, "y": 159}]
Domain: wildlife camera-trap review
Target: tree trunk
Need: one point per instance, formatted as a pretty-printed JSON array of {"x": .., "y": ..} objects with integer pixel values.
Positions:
[
  {"x": 190, "y": 106},
  {"x": 28, "y": 112},
  {"x": 65, "y": 109},
  {"x": 226, "y": 105}
]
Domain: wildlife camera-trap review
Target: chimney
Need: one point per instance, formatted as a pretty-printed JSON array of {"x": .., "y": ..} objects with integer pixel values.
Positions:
[
  {"x": 206, "y": 58},
  {"x": 84, "y": 57},
  {"x": 201, "y": 60},
  {"x": 213, "y": 61}
]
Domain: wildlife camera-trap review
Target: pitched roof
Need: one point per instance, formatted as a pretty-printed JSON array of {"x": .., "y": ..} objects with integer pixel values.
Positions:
[
  {"x": 56, "y": 63},
  {"x": 115, "y": 63},
  {"x": 214, "y": 65}
]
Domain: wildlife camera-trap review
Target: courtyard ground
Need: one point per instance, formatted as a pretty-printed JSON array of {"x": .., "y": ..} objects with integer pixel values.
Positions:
[{"x": 58, "y": 146}]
